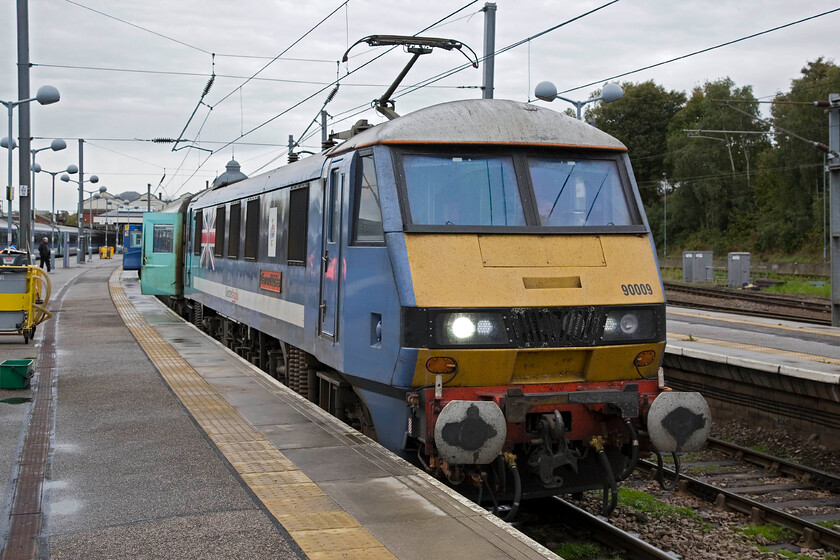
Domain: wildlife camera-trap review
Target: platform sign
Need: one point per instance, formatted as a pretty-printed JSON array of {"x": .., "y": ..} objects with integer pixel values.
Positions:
[{"x": 162, "y": 252}]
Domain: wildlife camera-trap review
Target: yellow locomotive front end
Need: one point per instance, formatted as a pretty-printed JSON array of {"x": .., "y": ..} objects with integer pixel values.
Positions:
[{"x": 536, "y": 311}]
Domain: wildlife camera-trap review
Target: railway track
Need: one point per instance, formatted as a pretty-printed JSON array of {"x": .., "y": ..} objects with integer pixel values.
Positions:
[
  {"x": 751, "y": 303},
  {"x": 601, "y": 530},
  {"x": 766, "y": 488}
]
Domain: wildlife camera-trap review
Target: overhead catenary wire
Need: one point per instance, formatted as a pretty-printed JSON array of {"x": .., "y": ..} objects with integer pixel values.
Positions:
[
  {"x": 701, "y": 51},
  {"x": 204, "y": 93},
  {"x": 409, "y": 89},
  {"x": 146, "y": 29},
  {"x": 335, "y": 82},
  {"x": 426, "y": 83},
  {"x": 227, "y": 76},
  {"x": 192, "y": 46},
  {"x": 295, "y": 42},
  {"x": 445, "y": 74}
]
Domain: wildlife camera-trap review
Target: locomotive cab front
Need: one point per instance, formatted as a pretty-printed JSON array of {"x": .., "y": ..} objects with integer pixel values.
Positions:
[{"x": 532, "y": 310}]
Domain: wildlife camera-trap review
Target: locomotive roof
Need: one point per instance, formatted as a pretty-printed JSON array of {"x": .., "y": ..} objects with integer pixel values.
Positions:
[{"x": 484, "y": 121}]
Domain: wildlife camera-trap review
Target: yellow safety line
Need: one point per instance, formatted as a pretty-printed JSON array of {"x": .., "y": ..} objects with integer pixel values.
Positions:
[
  {"x": 754, "y": 348},
  {"x": 823, "y": 332},
  {"x": 318, "y": 525}
]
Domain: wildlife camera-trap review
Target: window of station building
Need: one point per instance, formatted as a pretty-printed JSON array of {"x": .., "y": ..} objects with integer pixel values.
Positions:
[
  {"x": 219, "y": 239},
  {"x": 234, "y": 233},
  {"x": 252, "y": 228},
  {"x": 163, "y": 238},
  {"x": 197, "y": 231},
  {"x": 367, "y": 228},
  {"x": 298, "y": 210}
]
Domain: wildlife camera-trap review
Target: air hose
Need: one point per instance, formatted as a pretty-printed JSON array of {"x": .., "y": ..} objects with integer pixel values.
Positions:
[
  {"x": 510, "y": 461},
  {"x": 634, "y": 451},
  {"x": 610, "y": 499},
  {"x": 660, "y": 472}
]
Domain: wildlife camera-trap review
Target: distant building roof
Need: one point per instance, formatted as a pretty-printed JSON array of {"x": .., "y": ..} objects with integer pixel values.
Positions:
[{"x": 231, "y": 175}]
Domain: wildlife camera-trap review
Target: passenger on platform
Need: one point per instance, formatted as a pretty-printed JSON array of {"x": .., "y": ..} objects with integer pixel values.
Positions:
[{"x": 44, "y": 253}]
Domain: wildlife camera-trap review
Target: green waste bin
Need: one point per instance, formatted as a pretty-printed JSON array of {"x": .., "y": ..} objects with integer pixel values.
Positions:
[{"x": 15, "y": 374}]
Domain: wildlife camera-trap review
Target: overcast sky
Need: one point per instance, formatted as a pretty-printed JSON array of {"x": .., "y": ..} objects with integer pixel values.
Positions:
[{"x": 130, "y": 71}]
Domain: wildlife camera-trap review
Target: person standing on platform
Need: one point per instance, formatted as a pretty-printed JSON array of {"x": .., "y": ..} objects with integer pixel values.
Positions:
[{"x": 44, "y": 253}]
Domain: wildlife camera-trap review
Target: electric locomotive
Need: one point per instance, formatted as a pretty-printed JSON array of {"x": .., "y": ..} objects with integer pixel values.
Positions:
[{"x": 474, "y": 285}]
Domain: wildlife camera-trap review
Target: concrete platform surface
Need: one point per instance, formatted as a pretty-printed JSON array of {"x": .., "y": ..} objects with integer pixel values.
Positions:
[{"x": 164, "y": 444}]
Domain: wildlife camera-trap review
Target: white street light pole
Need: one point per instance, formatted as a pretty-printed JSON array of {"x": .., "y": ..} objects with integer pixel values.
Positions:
[
  {"x": 609, "y": 93},
  {"x": 45, "y": 96},
  {"x": 56, "y": 145},
  {"x": 80, "y": 212},
  {"x": 52, "y": 206},
  {"x": 9, "y": 143},
  {"x": 97, "y": 196}
]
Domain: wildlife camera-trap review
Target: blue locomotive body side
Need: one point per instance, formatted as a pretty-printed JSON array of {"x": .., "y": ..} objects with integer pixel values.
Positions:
[{"x": 281, "y": 295}]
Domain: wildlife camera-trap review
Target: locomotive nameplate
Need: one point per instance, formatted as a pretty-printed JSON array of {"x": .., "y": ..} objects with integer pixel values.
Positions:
[{"x": 271, "y": 280}]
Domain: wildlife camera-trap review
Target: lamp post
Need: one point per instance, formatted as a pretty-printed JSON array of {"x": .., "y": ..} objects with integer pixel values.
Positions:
[
  {"x": 56, "y": 145},
  {"x": 609, "y": 93},
  {"x": 107, "y": 204},
  {"x": 80, "y": 212},
  {"x": 52, "y": 206},
  {"x": 9, "y": 143},
  {"x": 97, "y": 196},
  {"x": 45, "y": 96}
]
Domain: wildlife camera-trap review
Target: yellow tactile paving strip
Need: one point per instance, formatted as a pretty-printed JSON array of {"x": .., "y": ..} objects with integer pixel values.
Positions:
[
  {"x": 753, "y": 348},
  {"x": 318, "y": 525}
]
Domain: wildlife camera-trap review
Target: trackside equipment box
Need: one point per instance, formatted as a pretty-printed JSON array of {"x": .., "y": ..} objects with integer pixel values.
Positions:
[{"x": 698, "y": 267}]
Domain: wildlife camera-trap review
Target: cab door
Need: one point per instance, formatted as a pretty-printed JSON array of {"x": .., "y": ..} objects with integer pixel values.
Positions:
[
  {"x": 331, "y": 254},
  {"x": 162, "y": 254}
]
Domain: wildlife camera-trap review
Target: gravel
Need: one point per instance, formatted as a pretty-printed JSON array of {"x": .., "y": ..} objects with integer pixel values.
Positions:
[{"x": 710, "y": 534}]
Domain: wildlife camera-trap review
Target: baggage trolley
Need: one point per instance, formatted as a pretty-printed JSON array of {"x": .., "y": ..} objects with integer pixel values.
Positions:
[{"x": 24, "y": 293}]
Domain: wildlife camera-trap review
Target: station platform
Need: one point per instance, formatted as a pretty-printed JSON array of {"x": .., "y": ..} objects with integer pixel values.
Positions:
[
  {"x": 771, "y": 373},
  {"x": 140, "y": 437},
  {"x": 791, "y": 348}
]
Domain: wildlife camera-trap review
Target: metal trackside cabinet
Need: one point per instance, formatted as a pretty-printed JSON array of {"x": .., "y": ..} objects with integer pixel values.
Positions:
[
  {"x": 698, "y": 266},
  {"x": 738, "y": 269}
]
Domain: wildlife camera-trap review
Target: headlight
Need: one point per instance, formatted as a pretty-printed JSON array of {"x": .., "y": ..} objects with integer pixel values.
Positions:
[
  {"x": 470, "y": 328},
  {"x": 629, "y": 325}
]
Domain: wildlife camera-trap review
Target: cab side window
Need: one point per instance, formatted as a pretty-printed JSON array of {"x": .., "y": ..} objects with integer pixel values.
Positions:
[{"x": 367, "y": 214}]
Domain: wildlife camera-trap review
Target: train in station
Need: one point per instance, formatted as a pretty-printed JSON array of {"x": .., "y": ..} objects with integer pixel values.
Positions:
[
  {"x": 132, "y": 235},
  {"x": 56, "y": 234},
  {"x": 474, "y": 285}
]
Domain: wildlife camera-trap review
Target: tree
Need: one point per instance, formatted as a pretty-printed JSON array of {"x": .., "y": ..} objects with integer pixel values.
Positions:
[
  {"x": 640, "y": 120},
  {"x": 788, "y": 190},
  {"x": 711, "y": 168}
]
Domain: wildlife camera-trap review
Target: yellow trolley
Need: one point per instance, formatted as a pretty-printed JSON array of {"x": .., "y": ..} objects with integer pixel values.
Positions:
[{"x": 24, "y": 293}]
